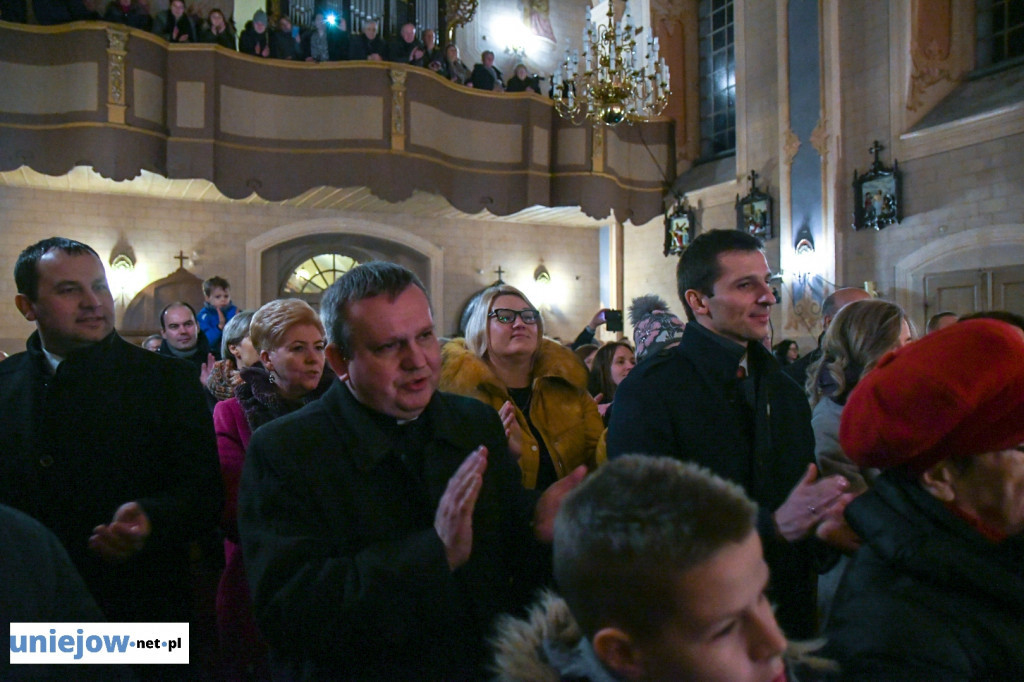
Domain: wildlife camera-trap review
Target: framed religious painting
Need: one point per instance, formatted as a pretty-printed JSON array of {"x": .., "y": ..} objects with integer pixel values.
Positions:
[
  {"x": 754, "y": 211},
  {"x": 680, "y": 227},
  {"x": 877, "y": 195}
]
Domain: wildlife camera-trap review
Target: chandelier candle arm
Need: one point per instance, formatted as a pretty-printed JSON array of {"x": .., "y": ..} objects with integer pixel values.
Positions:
[{"x": 618, "y": 82}]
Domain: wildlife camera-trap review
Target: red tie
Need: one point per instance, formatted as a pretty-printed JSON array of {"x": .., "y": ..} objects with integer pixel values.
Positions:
[{"x": 741, "y": 372}]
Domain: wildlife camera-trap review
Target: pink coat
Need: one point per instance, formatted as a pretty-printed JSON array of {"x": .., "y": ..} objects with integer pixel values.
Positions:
[{"x": 241, "y": 644}]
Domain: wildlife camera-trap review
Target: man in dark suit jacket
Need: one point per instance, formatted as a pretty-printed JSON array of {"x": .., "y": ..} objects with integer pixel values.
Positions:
[
  {"x": 375, "y": 548},
  {"x": 107, "y": 444},
  {"x": 719, "y": 399},
  {"x": 486, "y": 75}
]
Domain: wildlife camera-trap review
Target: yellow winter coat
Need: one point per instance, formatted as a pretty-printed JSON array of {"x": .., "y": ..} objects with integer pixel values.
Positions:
[{"x": 560, "y": 407}]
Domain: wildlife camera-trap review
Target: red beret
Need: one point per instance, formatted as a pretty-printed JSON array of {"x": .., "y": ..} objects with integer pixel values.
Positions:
[{"x": 956, "y": 392}]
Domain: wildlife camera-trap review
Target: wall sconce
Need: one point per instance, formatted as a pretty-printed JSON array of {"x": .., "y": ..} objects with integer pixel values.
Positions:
[
  {"x": 122, "y": 271},
  {"x": 804, "y": 250},
  {"x": 541, "y": 275}
]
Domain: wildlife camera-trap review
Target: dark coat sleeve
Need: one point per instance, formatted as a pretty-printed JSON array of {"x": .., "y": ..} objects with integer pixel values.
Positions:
[
  {"x": 342, "y": 556},
  {"x": 318, "y": 589},
  {"x": 641, "y": 421},
  {"x": 190, "y": 505}
]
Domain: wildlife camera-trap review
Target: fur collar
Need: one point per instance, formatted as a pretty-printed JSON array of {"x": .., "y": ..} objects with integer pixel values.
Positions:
[
  {"x": 548, "y": 646},
  {"x": 262, "y": 403},
  {"x": 465, "y": 373}
]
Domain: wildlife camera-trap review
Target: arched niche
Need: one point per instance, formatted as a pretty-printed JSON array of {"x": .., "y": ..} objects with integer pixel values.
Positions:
[
  {"x": 273, "y": 256},
  {"x": 142, "y": 316}
]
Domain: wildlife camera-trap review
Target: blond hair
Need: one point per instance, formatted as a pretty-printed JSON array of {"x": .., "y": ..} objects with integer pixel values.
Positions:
[
  {"x": 860, "y": 334},
  {"x": 273, "y": 320},
  {"x": 476, "y": 325}
]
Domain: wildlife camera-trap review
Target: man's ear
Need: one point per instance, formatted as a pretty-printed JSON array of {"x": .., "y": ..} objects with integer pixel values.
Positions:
[
  {"x": 617, "y": 651},
  {"x": 336, "y": 359},
  {"x": 25, "y": 306},
  {"x": 939, "y": 481},
  {"x": 696, "y": 301}
]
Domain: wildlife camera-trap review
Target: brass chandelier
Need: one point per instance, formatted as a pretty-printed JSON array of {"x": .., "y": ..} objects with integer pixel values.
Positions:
[{"x": 615, "y": 83}]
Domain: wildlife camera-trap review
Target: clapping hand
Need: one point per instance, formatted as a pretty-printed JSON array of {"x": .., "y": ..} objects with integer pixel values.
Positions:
[{"x": 454, "y": 518}]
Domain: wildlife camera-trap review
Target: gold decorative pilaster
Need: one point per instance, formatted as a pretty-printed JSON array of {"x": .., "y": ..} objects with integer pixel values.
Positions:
[
  {"x": 819, "y": 137},
  {"x": 791, "y": 146},
  {"x": 930, "y": 48},
  {"x": 597, "y": 153},
  {"x": 397, "y": 109},
  {"x": 117, "y": 49}
]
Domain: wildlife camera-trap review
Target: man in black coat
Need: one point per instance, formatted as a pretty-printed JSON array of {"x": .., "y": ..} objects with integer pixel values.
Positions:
[
  {"x": 108, "y": 445},
  {"x": 375, "y": 548},
  {"x": 406, "y": 48},
  {"x": 367, "y": 44},
  {"x": 719, "y": 399},
  {"x": 183, "y": 339}
]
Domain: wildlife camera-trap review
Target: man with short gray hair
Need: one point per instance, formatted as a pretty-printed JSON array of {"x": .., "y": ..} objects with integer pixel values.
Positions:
[{"x": 384, "y": 526}]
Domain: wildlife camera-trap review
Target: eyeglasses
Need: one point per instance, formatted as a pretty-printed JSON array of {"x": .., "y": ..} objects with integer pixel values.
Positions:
[{"x": 508, "y": 316}]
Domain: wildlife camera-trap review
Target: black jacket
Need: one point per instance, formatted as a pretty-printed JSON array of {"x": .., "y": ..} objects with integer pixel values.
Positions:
[
  {"x": 483, "y": 79},
  {"x": 362, "y": 47},
  {"x": 926, "y": 597},
  {"x": 349, "y": 578},
  {"x": 115, "y": 424},
  {"x": 686, "y": 402}
]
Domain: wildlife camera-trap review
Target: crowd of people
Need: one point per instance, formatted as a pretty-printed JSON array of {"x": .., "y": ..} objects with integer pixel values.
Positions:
[
  {"x": 325, "y": 40},
  {"x": 382, "y": 503}
]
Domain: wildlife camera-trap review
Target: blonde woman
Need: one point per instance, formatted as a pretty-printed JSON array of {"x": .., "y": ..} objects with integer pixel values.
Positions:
[
  {"x": 290, "y": 340},
  {"x": 861, "y": 333},
  {"x": 538, "y": 387}
]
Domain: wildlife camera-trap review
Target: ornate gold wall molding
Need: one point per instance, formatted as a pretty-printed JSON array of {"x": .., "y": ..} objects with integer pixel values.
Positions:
[
  {"x": 791, "y": 146},
  {"x": 819, "y": 137},
  {"x": 397, "y": 109},
  {"x": 931, "y": 38},
  {"x": 117, "y": 49},
  {"x": 670, "y": 10}
]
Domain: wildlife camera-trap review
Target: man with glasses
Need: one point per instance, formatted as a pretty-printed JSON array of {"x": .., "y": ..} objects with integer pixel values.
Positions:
[{"x": 383, "y": 525}]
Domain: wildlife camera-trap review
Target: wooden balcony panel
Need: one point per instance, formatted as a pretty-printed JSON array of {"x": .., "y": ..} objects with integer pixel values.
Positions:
[{"x": 75, "y": 96}]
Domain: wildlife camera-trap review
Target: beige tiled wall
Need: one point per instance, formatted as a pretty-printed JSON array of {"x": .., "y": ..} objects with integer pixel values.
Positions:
[{"x": 157, "y": 228}]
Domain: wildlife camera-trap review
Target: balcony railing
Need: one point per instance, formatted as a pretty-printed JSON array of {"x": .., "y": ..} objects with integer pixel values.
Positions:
[{"x": 120, "y": 101}]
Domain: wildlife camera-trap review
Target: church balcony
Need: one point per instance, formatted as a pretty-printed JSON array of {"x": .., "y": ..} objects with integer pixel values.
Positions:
[{"x": 123, "y": 101}]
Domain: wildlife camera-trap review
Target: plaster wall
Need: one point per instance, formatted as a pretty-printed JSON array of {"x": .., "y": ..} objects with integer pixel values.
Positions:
[
  {"x": 978, "y": 187},
  {"x": 216, "y": 235}
]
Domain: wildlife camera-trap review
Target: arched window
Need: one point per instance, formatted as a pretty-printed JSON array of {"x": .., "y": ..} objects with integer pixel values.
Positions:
[{"x": 314, "y": 275}]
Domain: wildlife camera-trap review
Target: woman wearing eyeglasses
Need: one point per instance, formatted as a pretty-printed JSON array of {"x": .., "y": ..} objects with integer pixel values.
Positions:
[{"x": 538, "y": 387}]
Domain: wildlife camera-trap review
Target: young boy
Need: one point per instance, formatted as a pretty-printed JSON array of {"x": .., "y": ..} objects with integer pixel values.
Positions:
[
  {"x": 661, "y": 568},
  {"x": 216, "y": 312}
]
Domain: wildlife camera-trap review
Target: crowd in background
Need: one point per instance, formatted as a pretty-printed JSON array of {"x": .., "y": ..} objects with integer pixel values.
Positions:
[
  {"x": 328, "y": 497},
  {"x": 277, "y": 37}
]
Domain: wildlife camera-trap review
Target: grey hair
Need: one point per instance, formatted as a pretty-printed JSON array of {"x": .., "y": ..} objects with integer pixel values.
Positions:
[{"x": 235, "y": 331}]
